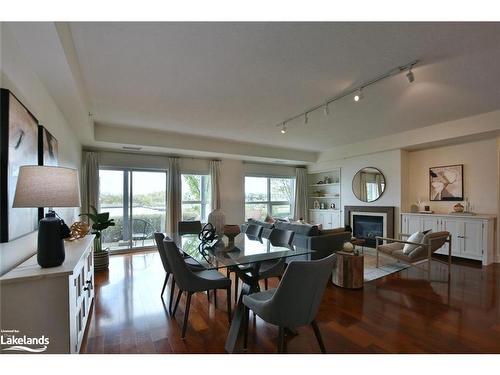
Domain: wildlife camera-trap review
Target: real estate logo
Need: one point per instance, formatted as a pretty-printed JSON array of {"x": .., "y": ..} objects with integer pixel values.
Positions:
[{"x": 12, "y": 340}]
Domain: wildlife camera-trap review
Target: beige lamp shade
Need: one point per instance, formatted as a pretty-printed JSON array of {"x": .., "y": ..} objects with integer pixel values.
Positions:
[{"x": 43, "y": 186}]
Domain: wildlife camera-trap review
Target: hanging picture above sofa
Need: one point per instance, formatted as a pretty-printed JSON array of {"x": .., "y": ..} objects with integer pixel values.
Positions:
[
  {"x": 18, "y": 146},
  {"x": 446, "y": 183}
]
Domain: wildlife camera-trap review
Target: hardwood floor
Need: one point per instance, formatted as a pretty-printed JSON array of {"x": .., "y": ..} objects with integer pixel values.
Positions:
[{"x": 400, "y": 313}]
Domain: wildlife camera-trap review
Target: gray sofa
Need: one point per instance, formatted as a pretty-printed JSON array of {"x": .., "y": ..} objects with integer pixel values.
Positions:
[{"x": 324, "y": 242}]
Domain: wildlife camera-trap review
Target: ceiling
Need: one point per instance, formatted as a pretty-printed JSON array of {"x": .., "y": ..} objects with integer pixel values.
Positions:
[{"x": 238, "y": 80}]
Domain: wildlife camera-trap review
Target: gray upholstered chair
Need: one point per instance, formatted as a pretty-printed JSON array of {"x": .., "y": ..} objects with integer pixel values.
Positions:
[
  {"x": 268, "y": 268},
  {"x": 190, "y": 262},
  {"x": 422, "y": 251},
  {"x": 254, "y": 230},
  {"x": 192, "y": 282},
  {"x": 189, "y": 227},
  {"x": 280, "y": 237},
  {"x": 296, "y": 300}
]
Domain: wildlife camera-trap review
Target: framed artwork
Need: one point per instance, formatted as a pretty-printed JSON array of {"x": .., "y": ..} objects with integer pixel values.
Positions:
[
  {"x": 48, "y": 151},
  {"x": 48, "y": 154},
  {"x": 446, "y": 183},
  {"x": 18, "y": 146}
]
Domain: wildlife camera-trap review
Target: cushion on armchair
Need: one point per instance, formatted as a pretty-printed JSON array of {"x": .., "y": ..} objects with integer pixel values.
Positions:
[{"x": 415, "y": 237}]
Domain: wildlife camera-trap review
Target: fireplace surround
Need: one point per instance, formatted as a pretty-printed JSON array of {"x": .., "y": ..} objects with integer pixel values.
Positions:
[{"x": 370, "y": 221}]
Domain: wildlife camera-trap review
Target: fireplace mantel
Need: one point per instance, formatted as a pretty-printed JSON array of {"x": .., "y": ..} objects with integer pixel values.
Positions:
[{"x": 387, "y": 210}]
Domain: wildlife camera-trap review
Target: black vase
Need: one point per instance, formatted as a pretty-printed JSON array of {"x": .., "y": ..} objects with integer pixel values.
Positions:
[{"x": 50, "y": 242}]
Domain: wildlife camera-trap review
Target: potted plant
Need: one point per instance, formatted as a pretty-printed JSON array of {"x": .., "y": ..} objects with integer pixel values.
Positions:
[{"x": 100, "y": 221}]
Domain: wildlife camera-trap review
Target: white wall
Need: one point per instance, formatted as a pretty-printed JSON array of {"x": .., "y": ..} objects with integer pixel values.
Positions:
[
  {"x": 389, "y": 162},
  {"x": 18, "y": 76},
  {"x": 480, "y": 174}
]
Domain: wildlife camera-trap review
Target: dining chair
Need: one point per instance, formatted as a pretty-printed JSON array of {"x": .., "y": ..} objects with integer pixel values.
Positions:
[
  {"x": 295, "y": 302},
  {"x": 189, "y": 227},
  {"x": 190, "y": 262},
  {"x": 268, "y": 268},
  {"x": 193, "y": 282},
  {"x": 254, "y": 230}
]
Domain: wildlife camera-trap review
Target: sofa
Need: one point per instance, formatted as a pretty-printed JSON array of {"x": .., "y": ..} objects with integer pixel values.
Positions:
[{"x": 324, "y": 242}]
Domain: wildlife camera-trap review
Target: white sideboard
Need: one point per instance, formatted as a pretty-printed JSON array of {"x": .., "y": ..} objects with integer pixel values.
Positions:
[
  {"x": 472, "y": 237},
  {"x": 329, "y": 219},
  {"x": 53, "y": 302}
]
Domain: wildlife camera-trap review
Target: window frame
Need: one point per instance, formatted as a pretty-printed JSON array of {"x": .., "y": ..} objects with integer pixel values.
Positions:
[
  {"x": 205, "y": 179},
  {"x": 269, "y": 202}
]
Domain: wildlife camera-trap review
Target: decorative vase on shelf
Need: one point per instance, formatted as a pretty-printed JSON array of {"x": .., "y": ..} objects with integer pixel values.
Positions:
[
  {"x": 458, "y": 208},
  {"x": 218, "y": 219}
]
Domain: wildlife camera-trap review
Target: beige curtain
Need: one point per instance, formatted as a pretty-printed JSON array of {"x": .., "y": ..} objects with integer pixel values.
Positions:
[
  {"x": 379, "y": 182},
  {"x": 215, "y": 183},
  {"x": 363, "y": 183},
  {"x": 90, "y": 181},
  {"x": 174, "y": 194},
  {"x": 300, "y": 206}
]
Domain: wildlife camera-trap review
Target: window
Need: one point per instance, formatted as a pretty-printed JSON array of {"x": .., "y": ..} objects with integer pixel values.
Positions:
[
  {"x": 136, "y": 200},
  {"x": 195, "y": 197},
  {"x": 271, "y": 196}
]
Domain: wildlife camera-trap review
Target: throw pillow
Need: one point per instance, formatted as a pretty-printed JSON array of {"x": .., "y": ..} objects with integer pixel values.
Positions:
[{"x": 415, "y": 237}]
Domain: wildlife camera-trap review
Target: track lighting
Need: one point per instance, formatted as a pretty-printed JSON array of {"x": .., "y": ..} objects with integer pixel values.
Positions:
[
  {"x": 359, "y": 95},
  {"x": 356, "y": 93},
  {"x": 327, "y": 109},
  {"x": 410, "y": 76}
]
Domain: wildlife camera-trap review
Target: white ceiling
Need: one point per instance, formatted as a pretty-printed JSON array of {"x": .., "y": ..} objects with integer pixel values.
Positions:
[{"x": 237, "y": 80}]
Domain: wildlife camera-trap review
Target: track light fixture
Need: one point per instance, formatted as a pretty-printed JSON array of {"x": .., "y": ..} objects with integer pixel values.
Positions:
[
  {"x": 327, "y": 109},
  {"x": 410, "y": 76},
  {"x": 357, "y": 93}
]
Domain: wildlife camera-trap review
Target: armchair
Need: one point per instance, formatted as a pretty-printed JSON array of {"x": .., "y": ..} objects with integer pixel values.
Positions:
[{"x": 422, "y": 253}]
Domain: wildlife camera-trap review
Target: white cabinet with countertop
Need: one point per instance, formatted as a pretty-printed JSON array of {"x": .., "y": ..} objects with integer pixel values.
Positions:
[
  {"x": 472, "y": 237},
  {"x": 54, "y": 302},
  {"x": 329, "y": 219}
]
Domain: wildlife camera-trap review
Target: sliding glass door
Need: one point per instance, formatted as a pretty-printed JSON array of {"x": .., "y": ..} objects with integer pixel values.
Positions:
[{"x": 136, "y": 199}]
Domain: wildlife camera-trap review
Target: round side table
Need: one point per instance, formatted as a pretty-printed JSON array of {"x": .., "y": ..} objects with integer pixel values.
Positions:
[{"x": 349, "y": 270}]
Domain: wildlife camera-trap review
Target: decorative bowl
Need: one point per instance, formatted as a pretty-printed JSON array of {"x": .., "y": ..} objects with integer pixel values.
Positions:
[{"x": 231, "y": 231}]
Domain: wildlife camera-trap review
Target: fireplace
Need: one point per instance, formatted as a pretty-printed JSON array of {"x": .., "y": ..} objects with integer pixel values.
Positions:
[
  {"x": 368, "y": 227},
  {"x": 368, "y": 222}
]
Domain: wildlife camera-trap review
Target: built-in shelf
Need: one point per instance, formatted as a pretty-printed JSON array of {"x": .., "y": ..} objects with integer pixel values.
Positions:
[
  {"x": 332, "y": 184},
  {"x": 324, "y": 210},
  {"x": 324, "y": 197}
]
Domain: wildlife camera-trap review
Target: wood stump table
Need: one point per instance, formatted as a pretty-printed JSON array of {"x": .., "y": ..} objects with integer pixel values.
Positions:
[{"x": 349, "y": 270}]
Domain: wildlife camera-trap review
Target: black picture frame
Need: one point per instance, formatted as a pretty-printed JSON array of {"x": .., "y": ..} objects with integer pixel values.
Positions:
[
  {"x": 26, "y": 216},
  {"x": 433, "y": 175}
]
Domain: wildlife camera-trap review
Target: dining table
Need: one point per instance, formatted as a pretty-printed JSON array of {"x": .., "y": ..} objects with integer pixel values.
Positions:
[{"x": 246, "y": 252}]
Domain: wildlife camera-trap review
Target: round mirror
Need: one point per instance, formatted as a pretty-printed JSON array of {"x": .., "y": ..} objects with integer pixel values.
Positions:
[{"x": 368, "y": 184}]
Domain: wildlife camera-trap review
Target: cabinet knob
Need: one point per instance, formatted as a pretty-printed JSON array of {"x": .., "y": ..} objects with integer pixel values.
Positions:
[{"x": 86, "y": 288}]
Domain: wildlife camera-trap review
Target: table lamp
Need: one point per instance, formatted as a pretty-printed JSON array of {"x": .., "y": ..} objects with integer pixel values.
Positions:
[{"x": 44, "y": 186}]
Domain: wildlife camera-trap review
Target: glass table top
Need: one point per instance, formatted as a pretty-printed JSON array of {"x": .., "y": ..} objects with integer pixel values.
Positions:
[{"x": 244, "y": 250}]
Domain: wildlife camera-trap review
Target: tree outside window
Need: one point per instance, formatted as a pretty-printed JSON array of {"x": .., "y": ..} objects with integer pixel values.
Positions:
[
  {"x": 195, "y": 197},
  {"x": 273, "y": 196}
]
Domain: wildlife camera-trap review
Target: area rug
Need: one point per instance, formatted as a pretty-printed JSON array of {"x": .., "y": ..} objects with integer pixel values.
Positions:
[{"x": 387, "y": 265}]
